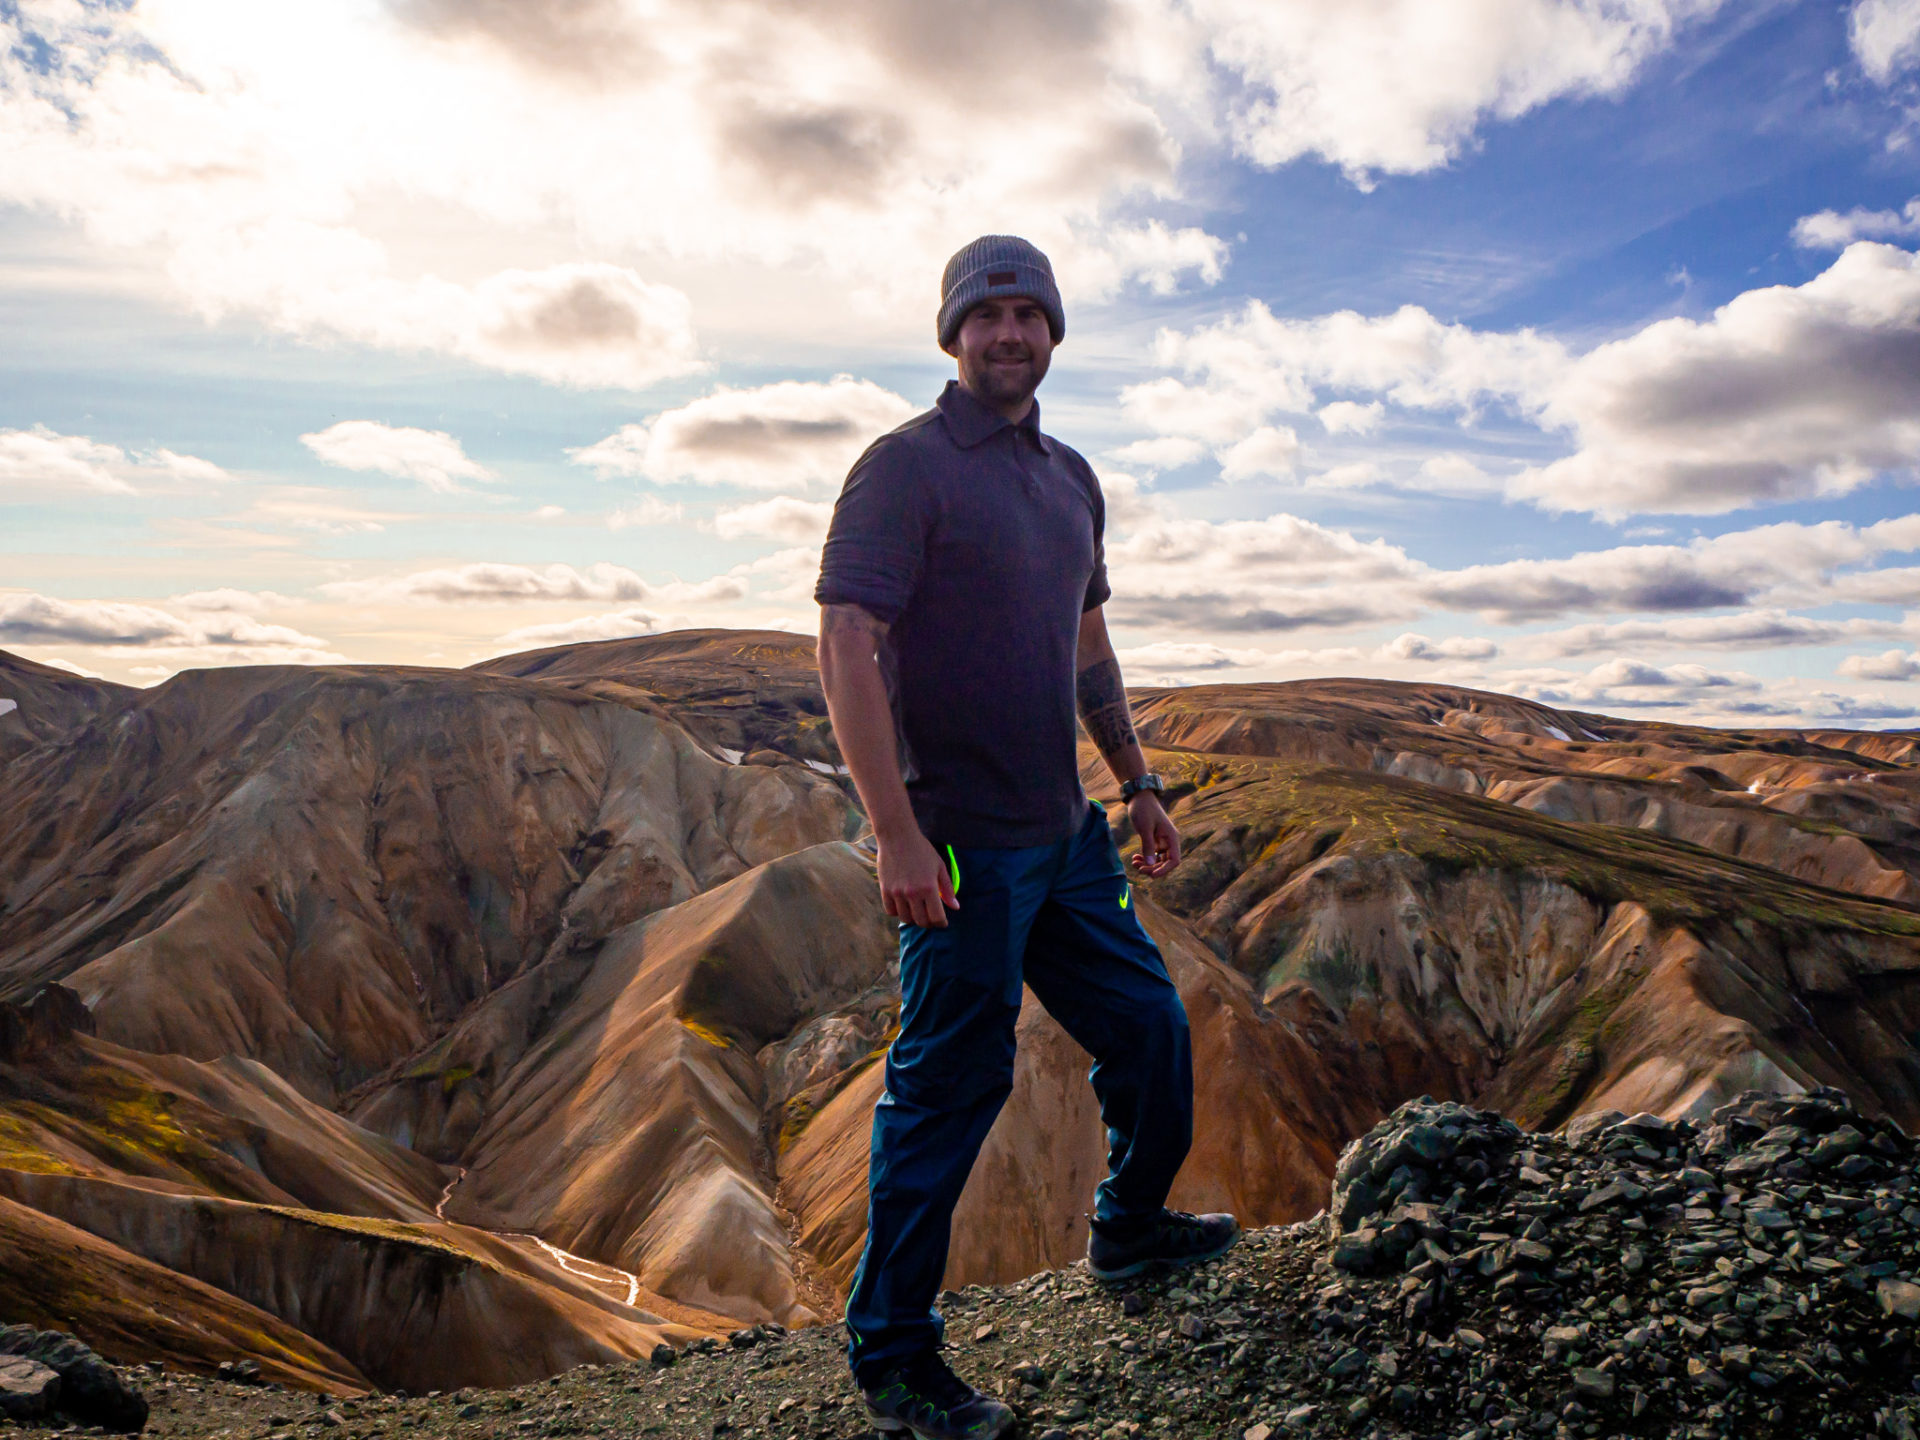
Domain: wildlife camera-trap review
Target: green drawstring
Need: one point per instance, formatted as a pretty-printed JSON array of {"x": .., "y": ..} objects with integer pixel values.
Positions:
[{"x": 953, "y": 867}]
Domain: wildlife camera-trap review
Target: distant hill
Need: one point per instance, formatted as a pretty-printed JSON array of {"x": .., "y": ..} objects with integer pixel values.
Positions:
[{"x": 557, "y": 984}]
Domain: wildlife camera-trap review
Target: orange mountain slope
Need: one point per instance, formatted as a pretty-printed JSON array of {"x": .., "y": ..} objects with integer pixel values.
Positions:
[{"x": 556, "y": 987}]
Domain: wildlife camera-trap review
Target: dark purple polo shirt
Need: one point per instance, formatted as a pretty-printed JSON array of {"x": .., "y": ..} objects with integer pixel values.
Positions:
[{"x": 979, "y": 543}]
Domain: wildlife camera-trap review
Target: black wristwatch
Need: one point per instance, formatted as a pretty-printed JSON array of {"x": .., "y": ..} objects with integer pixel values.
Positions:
[{"x": 1148, "y": 781}]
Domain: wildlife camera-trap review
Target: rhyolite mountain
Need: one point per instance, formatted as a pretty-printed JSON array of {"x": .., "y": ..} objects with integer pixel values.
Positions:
[{"x": 423, "y": 1028}]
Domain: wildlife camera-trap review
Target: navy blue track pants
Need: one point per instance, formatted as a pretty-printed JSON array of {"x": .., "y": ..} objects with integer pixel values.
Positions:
[{"x": 1060, "y": 918}]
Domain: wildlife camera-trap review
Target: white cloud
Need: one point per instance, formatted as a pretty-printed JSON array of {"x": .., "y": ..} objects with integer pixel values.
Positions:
[
  {"x": 217, "y": 628},
  {"x": 784, "y": 436},
  {"x": 39, "y": 460},
  {"x": 615, "y": 625},
  {"x": 647, "y": 510},
  {"x": 1270, "y": 450},
  {"x": 573, "y": 323},
  {"x": 1411, "y": 647},
  {"x": 1455, "y": 474},
  {"x": 1187, "y": 655},
  {"x": 1349, "y": 417},
  {"x": 1285, "y": 574},
  {"x": 1130, "y": 503},
  {"x": 494, "y": 584},
  {"x": 853, "y": 145},
  {"x": 432, "y": 457},
  {"x": 1885, "y": 35},
  {"x": 1888, "y": 665},
  {"x": 1830, "y": 230},
  {"x": 1785, "y": 393},
  {"x": 1176, "y": 662},
  {"x": 1236, "y": 576},
  {"x": 1744, "y": 630},
  {"x": 801, "y": 522},
  {"x": 228, "y": 601},
  {"x": 183, "y": 467},
  {"x": 1623, "y": 683},
  {"x": 859, "y": 145},
  {"x": 1401, "y": 85},
  {"x": 1254, "y": 365},
  {"x": 42, "y": 462},
  {"x": 1163, "y": 452}
]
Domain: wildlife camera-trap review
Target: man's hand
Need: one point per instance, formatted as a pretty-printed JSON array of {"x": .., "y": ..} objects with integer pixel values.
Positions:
[
  {"x": 915, "y": 885},
  {"x": 1159, "y": 841}
]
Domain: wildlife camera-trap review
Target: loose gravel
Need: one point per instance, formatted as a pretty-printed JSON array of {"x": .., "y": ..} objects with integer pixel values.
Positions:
[{"x": 1754, "y": 1276}]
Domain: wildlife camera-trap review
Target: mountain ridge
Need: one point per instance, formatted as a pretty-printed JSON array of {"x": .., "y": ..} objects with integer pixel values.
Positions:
[{"x": 571, "y": 953}]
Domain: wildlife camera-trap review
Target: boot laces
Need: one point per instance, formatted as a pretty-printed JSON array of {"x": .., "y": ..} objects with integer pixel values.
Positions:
[{"x": 931, "y": 1381}]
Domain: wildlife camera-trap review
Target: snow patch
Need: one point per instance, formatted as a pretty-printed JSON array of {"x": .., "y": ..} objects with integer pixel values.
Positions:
[
  {"x": 732, "y": 757},
  {"x": 7, "y": 707},
  {"x": 824, "y": 768},
  {"x": 1557, "y": 733}
]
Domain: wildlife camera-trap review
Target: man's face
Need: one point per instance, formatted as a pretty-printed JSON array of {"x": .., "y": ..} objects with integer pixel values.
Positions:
[{"x": 1004, "y": 348}]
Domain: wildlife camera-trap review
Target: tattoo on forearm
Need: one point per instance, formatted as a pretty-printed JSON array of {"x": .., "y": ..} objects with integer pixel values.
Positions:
[
  {"x": 1102, "y": 701},
  {"x": 851, "y": 622}
]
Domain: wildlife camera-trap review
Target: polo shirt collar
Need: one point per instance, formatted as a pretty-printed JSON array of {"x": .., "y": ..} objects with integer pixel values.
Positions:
[{"x": 970, "y": 422}]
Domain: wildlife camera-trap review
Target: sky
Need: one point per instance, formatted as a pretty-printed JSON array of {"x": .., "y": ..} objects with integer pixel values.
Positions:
[{"x": 1564, "y": 348}]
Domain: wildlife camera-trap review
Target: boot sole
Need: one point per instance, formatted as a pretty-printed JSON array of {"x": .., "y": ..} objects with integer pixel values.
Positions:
[
  {"x": 891, "y": 1425},
  {"x": 1127, "y": 1272}
]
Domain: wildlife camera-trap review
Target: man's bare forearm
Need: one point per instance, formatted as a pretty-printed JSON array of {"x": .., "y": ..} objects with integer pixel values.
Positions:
[
  {"x": 1100, "y": 695},
  {"x": 862, "y": 717}
]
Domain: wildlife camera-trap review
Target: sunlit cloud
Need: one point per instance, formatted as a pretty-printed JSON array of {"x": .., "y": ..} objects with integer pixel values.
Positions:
[
  {"x": 786, "y": 436},
  {"x": 40, "y": 463},
  {"x": 1832, "y": 230},
  {"x": 204, "y": 629},
  {"x": 432, "y": 457},
  {"x": 1885, "y": 35},
  {"x": 613, "y": 625},
  {"x": 1784, "y": 393},
  {"x": 781, "y": 518},
  {"x": 497, "y": 584}
]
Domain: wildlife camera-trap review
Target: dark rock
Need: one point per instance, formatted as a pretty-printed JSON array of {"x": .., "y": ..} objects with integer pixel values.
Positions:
[
  {"x": 1899, "y": 1297},
  {"x": 91, "y": 1390},
  {"x": 28, "y": 1389},
  {"x": 1593, "y": 1384}
]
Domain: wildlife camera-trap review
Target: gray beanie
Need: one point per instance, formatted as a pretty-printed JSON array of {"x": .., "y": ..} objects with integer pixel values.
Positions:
[{"x": 988, "y": 269}]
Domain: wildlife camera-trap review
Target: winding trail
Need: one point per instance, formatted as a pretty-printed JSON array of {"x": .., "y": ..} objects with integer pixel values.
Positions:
[{"x": 596, "y": 1272}]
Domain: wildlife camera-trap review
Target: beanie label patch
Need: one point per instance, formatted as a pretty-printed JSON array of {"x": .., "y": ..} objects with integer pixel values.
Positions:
[{"x": 1003, "y": 277}]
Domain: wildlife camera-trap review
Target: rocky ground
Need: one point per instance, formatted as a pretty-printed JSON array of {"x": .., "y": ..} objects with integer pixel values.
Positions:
[{"x": 1754, "y": 1276}]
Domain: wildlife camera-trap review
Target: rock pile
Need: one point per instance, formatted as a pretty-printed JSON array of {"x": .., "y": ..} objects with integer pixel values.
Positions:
[
  {"x": 1425, "y": 1151},
  {"x": 46, "y": 1372},
  {"x": 1633, "y": 1275}
]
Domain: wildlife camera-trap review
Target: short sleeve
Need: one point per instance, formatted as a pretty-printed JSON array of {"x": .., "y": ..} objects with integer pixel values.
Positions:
[
  {"x": 877, "y": 542},
  {"x": 1098, "y": 590}
]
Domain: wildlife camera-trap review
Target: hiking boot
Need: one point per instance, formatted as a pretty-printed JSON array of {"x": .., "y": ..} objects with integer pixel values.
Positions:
[
  {"x": 926, "y": 1399},
  {"x": 1172, "y": 1237}
]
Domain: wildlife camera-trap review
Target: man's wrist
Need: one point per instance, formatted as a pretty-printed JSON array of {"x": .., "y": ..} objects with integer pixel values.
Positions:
[
  {"x": 896, "y": 829},
  {"x": 1144, "y": 784}
]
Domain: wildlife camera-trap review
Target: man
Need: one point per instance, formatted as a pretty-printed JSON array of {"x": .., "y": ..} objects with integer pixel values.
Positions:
[{"x": 961, "y": 592}]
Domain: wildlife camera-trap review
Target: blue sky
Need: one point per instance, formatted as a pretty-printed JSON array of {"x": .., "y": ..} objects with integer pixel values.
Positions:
[{"x": 1563, "y": 347}]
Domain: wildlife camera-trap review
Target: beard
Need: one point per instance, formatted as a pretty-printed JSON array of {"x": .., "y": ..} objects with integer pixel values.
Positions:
[{"x": 999, "y": 383}]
